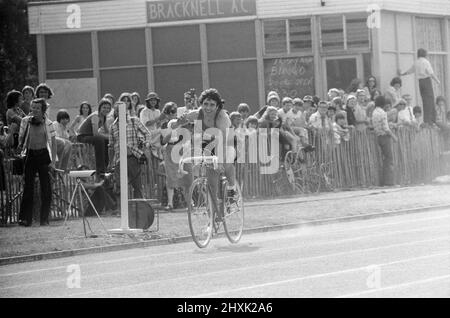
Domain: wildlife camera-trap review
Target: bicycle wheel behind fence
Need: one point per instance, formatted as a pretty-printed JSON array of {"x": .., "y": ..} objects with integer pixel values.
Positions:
[
  {"x": 200, "y": 214},
  {"x": 233, "y": 220}
]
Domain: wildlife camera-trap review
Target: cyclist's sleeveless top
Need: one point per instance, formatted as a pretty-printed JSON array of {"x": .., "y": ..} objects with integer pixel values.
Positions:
[{"x": 201, "y": 116}]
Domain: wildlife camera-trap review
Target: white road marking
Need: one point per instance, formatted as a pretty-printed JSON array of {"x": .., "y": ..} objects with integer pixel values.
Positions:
[
  {"x": 297, "y": 279},
  {"x": 398, "y": 286},
  {"x": 164, "y": 265},
  {"x": 273, "y": 264},
  {"x": 127, "y": 259}
]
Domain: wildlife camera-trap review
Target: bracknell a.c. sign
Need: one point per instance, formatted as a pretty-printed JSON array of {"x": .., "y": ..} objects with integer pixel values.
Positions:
[{"x": 179, "y": 10}]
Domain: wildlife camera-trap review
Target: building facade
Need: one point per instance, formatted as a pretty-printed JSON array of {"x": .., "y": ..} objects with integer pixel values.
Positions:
[{"x": 244, "y": 48}]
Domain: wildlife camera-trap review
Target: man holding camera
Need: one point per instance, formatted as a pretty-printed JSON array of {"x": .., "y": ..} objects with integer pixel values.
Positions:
[{"x": 138, "y": 137}]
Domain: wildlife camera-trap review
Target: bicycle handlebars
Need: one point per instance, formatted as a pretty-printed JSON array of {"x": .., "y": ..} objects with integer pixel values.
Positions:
[{"x": 198, "y": 160}]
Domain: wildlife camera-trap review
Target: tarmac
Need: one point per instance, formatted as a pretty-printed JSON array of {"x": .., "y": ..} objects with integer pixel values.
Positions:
[{"x": 428, "y": 203}]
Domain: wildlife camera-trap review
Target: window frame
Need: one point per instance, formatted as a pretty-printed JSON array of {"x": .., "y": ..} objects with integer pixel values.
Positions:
[{"x": 288, "y": 52}]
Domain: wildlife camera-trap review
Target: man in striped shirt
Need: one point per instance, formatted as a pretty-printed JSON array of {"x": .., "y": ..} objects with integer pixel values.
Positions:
[
  {"x": 384, "y": 138},
  {"x": 138, "y": 138}
]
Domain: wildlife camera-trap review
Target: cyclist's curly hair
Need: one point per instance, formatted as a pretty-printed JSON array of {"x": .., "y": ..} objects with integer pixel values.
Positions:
[{"x": 212, "y": 94}]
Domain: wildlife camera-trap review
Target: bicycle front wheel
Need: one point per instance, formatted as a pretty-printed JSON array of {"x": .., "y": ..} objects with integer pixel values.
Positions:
[
  {"x": 233, "y": 219},
  {"x": 200, "y": 213}
]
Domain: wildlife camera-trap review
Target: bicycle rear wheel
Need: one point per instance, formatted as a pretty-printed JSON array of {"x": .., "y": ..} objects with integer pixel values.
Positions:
[
  {"x": 200, "y": 213},
  {"x": 233, "y": 219}
]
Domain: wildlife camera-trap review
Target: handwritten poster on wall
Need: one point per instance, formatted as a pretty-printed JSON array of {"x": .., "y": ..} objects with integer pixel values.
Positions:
[{"x": 293, "y": 77}]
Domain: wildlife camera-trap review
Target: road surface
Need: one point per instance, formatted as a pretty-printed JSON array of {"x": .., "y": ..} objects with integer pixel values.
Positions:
[{"x": 401, "y": 256}]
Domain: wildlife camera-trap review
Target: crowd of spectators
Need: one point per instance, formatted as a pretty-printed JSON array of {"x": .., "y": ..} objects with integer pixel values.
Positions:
[{"x": 361, "y": 107}]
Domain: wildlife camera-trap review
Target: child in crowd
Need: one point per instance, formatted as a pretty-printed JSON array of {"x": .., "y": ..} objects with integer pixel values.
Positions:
[
  {"x": 417, "y": 111},
  {"x": 251, "y": 123},
  {"x": 331, "y": 113},
  {"x": 341, "y": 131},
  {"x": 64, "y": 138},
  {"x": 244, "y": 110},
  {"x": 286, "y": 106},
  {"x": 236, "y": 120}
]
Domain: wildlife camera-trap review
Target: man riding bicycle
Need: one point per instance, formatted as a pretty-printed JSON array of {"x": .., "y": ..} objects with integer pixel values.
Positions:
[{"x": 211, "y": 122}]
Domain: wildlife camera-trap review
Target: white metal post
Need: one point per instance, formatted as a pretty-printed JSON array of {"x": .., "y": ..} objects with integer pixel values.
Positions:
[{"x": 123, "y": 166}]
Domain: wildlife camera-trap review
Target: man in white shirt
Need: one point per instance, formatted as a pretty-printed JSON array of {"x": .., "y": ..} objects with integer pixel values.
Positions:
[
  {"x": 319, "y": 119},
  {"x": 424, "y": 72}
]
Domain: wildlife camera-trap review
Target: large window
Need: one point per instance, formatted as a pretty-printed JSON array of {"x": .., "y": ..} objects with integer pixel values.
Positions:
[
  {"x": 123, "y": 62},
  {"x": 287, "y": 36},
  {"x": 177, "y": 61},
  {"x": 342, "y": 32},
  {"x": 232, "y": 62},
  {"x": 68, "y": 55}
]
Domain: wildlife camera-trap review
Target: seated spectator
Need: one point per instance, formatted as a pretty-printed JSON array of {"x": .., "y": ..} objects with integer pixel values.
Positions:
[
  {"x": 84, "y": 111},
  {"x": 286, "y": 106},
  {"x": 64, "y": 138},
  {"x": 137, "y": 137},
  {"x": 350, "y": 110},
  {"x": 244, "y": 110},
  {"x": 14, "y": 116},
  {"x": 405, "y": 115},
  {"x": 93, "y": 131},
  {"x": 270, "y": 118},
  {"x": 28, "y": 95},
  {"x": 341, "y": 131},
  {"x": 319, "y": 120},
  {"x": 393, "y": 93},
  {"x": 37, "y": 138}
]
